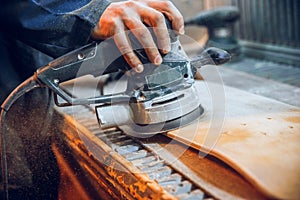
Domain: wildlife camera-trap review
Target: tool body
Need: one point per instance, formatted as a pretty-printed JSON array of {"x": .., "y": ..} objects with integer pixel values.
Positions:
[
  {"x": 220, "y": 22},
  {"x": 157, "y": 100}
]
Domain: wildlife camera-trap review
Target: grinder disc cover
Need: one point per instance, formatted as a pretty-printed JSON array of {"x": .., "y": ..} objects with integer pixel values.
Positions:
[{"x": 152, "y": 129}]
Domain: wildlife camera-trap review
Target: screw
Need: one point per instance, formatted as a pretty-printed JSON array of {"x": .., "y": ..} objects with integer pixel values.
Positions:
[
  {"x": 80, "y": 56},
  {"x": 56, "y": 81}
]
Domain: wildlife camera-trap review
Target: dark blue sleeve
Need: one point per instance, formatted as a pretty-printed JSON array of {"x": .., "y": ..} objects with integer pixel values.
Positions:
[{"x": 54, "y": 27}]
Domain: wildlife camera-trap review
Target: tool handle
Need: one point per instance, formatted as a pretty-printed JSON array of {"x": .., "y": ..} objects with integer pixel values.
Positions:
[
  {"x": 215, "y": 17},
  {"x": 211, "y": 56},
  {"x": 94, "y": 59}
]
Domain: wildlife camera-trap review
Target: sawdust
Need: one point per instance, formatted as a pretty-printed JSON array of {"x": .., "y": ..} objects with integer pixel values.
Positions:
[
  {"x": 235, "y": 135},
  {"x": 294, "y": 119}
]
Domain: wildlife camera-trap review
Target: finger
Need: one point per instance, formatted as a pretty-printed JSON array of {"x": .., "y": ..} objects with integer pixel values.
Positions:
[
  {"x": 156, "y": 20},
  {"x": 173, "y": 14},
  {"x": 123, "y": 44},
  {"x": 144, "y": 36}
]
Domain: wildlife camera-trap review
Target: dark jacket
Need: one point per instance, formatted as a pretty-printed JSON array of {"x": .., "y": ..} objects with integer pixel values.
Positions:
[{"x": 33, "y": 32}]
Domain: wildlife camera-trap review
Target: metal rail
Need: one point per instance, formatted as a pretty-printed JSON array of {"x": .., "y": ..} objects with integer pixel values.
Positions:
[{"x": 141, "y": 159}]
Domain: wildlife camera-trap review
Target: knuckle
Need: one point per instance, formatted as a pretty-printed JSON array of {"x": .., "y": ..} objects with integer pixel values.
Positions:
[
  {"x": 108, "y": 28},
  {"x": 179, "y": 17},
  {"x": 143, "y": 33},
  {"x": 165, "y": 40},
  {"x": 114, "y": 8},
  {"x": 130, "y": 22},
  {"x": 110, "y": 23},
  {"x": 159, "y": 18},
  {"x": 132, "y": 60},
  {"x": 130, "y": 4},
  {"x": 126, "y": 50},
  {"x": 152, "y": 52},
  {"x": 168, "y": 4}
]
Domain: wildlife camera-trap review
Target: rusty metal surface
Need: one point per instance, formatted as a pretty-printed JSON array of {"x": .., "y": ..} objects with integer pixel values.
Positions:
[
  {"x": 130, "y": 167},
  {"x": 149, "y": 168}
]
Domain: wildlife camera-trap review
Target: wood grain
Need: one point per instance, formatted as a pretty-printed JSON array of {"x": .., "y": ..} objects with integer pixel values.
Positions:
[{"x": 257, "y": 136}]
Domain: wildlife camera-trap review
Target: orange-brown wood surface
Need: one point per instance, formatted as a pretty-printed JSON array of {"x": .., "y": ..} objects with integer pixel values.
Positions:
[{"x": 257, "y": 136}]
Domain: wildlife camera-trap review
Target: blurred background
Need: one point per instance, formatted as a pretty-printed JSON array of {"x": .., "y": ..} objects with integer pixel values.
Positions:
[
  {"x": 263, "y": 38},
  {"x": 269, "y": 25}
]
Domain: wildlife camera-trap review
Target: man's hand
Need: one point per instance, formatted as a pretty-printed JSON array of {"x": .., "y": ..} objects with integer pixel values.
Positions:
[{"x": 134, "y": 15}]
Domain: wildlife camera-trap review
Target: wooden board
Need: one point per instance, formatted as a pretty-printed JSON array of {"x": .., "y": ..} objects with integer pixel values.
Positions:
[{"x": 257, "y": 136}]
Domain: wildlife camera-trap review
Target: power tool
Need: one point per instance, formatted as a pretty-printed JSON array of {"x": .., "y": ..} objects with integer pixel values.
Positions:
[
  {"x": 159, "y": 99},
  {"x": 220, "y": 23}
]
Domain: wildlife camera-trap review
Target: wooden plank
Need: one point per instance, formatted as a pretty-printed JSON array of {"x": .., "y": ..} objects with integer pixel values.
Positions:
[{"x": 260, "y": 138}]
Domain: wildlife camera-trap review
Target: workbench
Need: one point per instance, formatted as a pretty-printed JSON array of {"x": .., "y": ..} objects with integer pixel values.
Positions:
[
  {"x": 204, "y": 175},
  {"x": 104, "y": 169}
]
